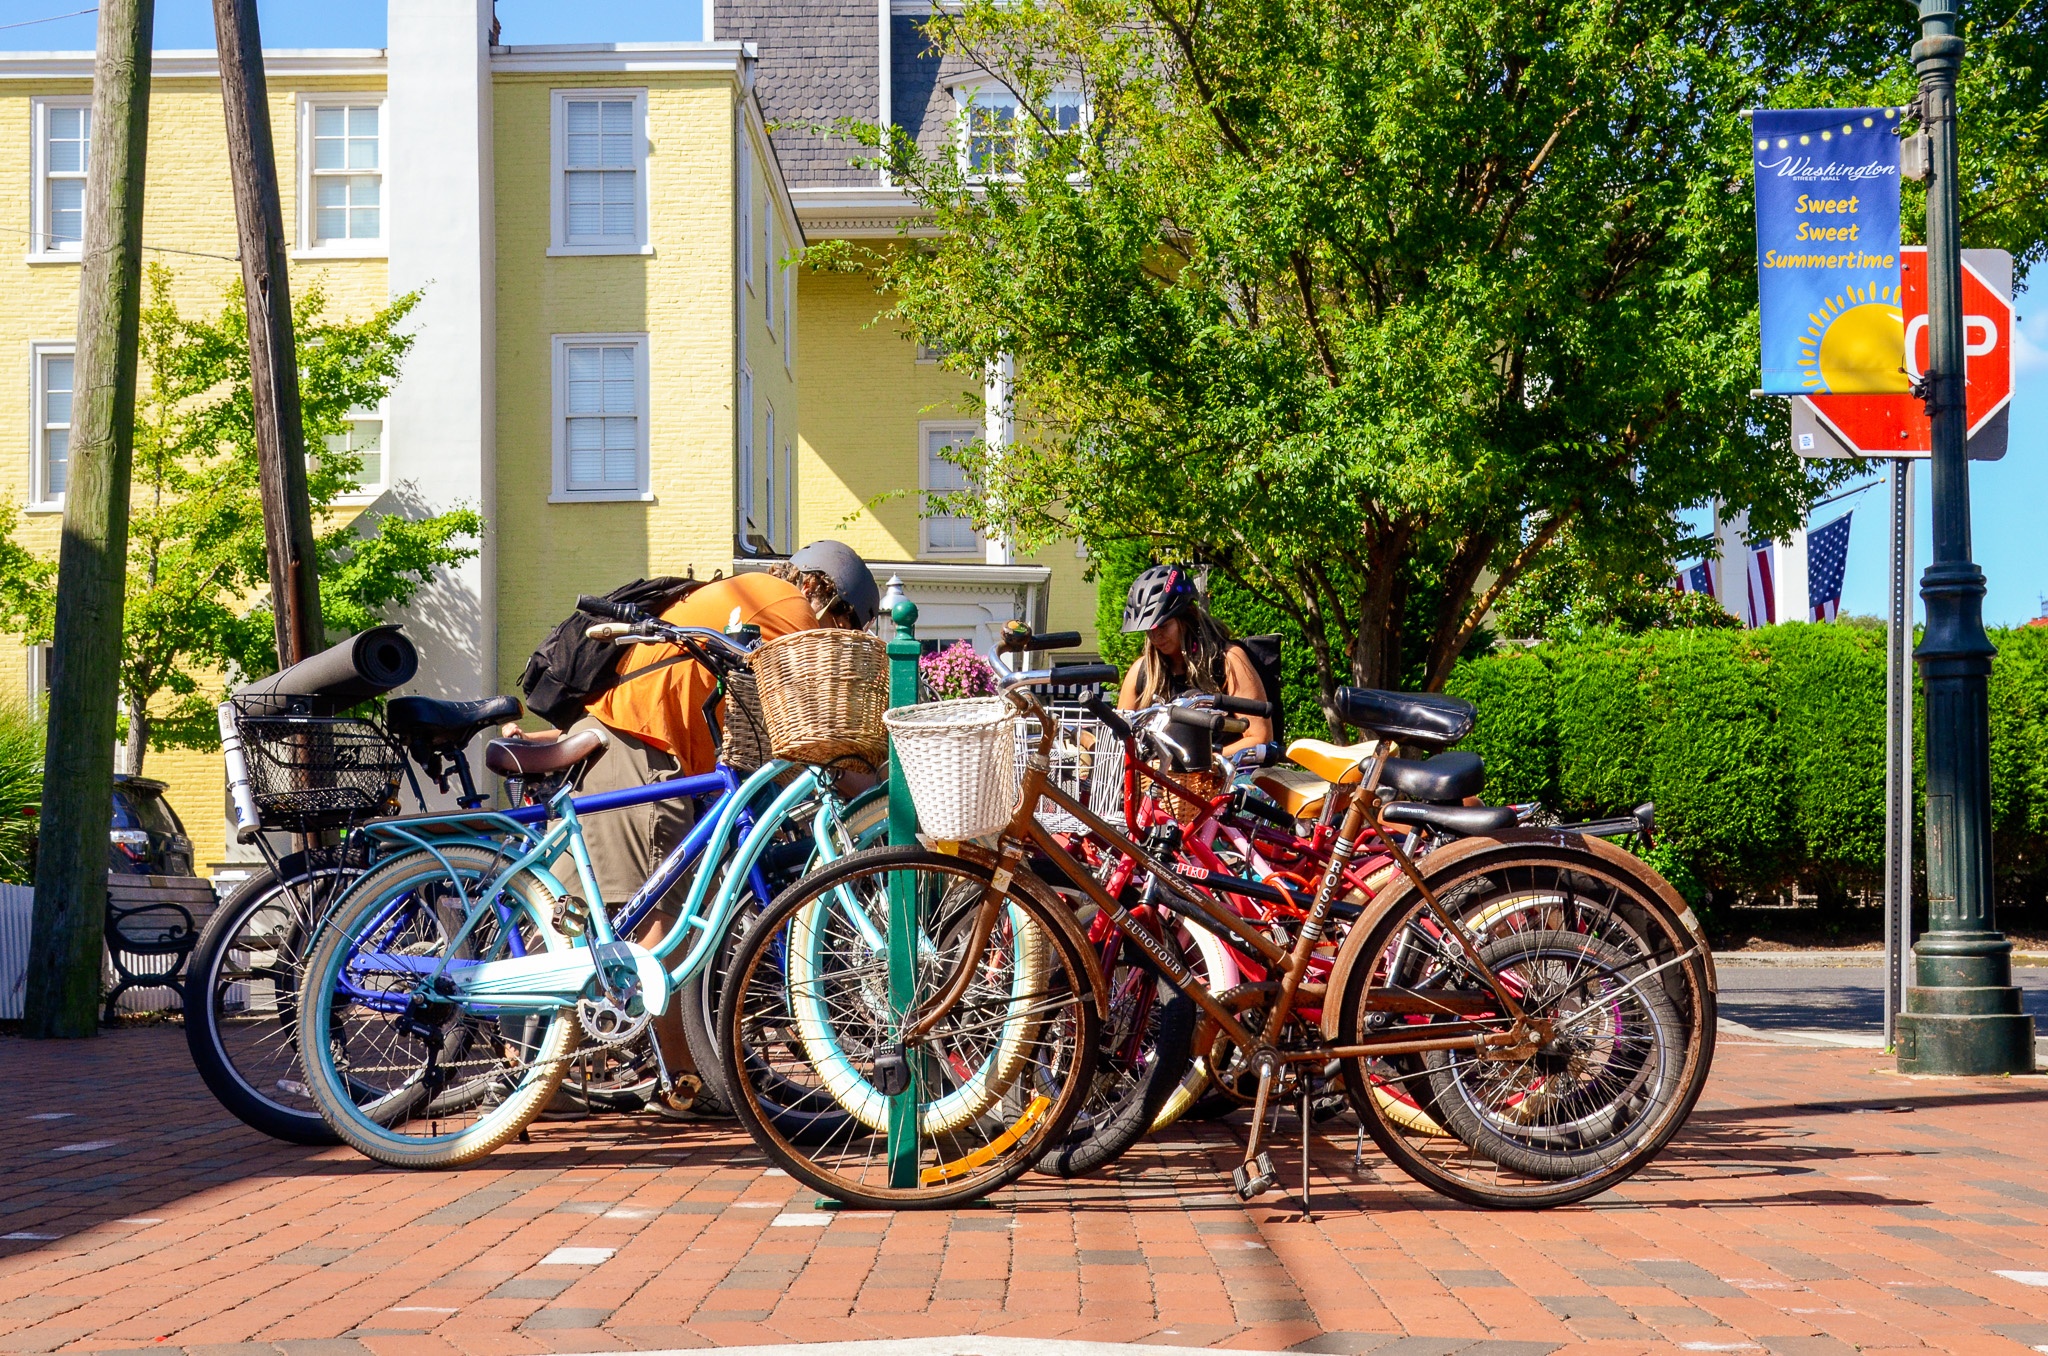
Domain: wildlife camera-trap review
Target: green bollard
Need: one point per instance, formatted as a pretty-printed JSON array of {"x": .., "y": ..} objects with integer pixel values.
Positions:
[{"x": 903, "y": 920}]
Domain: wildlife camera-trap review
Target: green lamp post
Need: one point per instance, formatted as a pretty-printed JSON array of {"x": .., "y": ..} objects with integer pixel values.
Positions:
[{"x": 1963, "y": 1016}]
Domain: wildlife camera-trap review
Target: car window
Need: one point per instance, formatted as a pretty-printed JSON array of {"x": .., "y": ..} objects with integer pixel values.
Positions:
[{"x": 149, "y": 812}]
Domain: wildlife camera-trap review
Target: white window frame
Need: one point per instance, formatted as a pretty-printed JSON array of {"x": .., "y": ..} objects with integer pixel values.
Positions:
[
  {"x": 990, "y": 92},
  {"x": 39, "y": 496},
  {"x": 558, "y": 170},
  {"x": 310, "y": 245},
  {"x": 789, "y": 495},
  {"x": 743, "y": 466},
  {"x": 768, "y": 265},
  {"x": 746, "y": 205},
  {"x": 772, "y": 484},
  {"x": 966, "y": 432},
  {"x": 38, "y": 678},
  {"x": 641, "y": 491},
  {"x": 789, "y": 319},
  {"x": 40, "y": 250},
  {"x": 381, "y": 413}
]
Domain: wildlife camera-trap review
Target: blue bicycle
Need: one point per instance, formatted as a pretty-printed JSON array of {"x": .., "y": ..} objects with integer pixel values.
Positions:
[{"x": 446, "y": 994}]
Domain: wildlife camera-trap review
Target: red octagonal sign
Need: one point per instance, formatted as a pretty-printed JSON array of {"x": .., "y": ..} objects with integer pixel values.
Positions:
[{"x": 1896, "y": 425}]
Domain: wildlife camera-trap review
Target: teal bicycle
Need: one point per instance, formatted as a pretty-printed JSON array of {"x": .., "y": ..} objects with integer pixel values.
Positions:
[{"x": 447, "y": 992}]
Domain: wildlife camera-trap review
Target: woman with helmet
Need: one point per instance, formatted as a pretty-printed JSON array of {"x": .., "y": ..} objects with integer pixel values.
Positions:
[{"x": 1186, "y": 650}]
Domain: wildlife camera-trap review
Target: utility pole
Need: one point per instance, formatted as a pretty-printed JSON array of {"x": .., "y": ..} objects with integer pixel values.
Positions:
[
  {"x": 63, "y": 989},
  {"x": 1963, "y": 1015},
  {"x": 273, "y": 353}
]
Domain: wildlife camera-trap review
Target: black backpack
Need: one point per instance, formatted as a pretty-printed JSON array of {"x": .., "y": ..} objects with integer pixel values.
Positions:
[
  {"x": 570, "y": 671},
  {"x": 1264, "y": 653}
]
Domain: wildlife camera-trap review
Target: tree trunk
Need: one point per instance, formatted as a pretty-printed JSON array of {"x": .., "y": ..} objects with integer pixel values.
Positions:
[
  {"x": 63, "y": 988},
  {"x": 273, "y": 354},
  {"x": 138, "y": 738}
]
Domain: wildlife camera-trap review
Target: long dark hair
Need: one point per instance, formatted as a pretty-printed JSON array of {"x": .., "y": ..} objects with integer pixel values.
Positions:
[{"x": 1204, "y": 644}]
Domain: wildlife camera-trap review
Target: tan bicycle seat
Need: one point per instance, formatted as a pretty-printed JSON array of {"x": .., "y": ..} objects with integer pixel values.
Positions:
[
  {"x": 1299, "y": 793},
  {"x": 1340, "y": 764},
  {"x": 530, "y": 758}
]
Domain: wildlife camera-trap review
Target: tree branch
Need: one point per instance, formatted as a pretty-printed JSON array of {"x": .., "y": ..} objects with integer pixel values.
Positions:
[{"x": 1441, "y": 669}]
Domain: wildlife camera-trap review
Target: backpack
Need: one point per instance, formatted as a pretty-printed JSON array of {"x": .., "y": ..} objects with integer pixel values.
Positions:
[
  {"x": 570, "y": 671},
  {"x": 1264, "y": 654}
]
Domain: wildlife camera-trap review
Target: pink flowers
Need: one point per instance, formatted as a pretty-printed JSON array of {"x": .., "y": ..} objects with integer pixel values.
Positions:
[{"x": 956, "y": 672}]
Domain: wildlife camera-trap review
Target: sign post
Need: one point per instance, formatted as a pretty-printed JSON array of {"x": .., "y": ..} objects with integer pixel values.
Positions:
[{"x": 1898, "y": 755}]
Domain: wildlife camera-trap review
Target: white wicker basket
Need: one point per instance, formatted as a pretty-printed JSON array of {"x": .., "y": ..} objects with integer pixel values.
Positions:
[
  {"x": 1087, "y": 764},
  {"x": 960, "y": 761}
]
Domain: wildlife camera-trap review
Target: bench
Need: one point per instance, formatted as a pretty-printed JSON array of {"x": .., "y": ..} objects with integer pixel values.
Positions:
[{"x": 153, "y": 923}]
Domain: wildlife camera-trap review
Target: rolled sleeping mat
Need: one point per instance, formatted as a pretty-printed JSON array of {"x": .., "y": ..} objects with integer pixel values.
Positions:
[{"x": 363, "y": 666}]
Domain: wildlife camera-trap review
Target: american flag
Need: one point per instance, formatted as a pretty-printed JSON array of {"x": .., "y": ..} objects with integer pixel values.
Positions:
[
  {"x": 1763, "y": 586},
  {"x": 1698, "y": 579},
  {"x": 1827, "y": 558}
]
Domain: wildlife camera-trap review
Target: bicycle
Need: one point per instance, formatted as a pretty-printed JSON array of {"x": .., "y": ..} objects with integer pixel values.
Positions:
[
  {"x": 1558, "y": 1062},
  {"x": 444, "y": 994}
]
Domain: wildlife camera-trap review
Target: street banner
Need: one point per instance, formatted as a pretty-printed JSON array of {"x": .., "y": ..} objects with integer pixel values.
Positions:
[{"x": 1827, "y": 250}]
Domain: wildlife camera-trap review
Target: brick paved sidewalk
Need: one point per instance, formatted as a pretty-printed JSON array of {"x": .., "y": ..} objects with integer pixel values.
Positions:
[{"x": 1814, "y": 1204}]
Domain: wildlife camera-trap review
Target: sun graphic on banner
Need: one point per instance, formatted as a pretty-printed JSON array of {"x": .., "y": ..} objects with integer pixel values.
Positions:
[{"x": 1857, "y": 343}]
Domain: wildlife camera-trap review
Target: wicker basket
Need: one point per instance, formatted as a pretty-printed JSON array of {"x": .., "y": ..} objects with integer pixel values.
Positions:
[
  {"x": 1205, "y": 784},
  {"x": 822, "y": 693},
  {"x": 743, "y": 744},
  {"x": 960, "y": 760}
]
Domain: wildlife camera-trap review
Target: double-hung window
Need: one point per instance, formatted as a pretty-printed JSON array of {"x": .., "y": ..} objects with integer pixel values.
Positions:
[
  {"x": 600, "y": 178},
  {"x": 947, "y": 534},
  {"x": 995, "y": 134},
  {"x": 342, "y": 179},
  {"x": 55, "y": 378},
  {"x": 63, "y": 148},
  {"x": 745, "y": 193},
  {"x": 363, "y": 439},
  {"x": 746, "y": 531},
  {"x": 601, "y": 418}
]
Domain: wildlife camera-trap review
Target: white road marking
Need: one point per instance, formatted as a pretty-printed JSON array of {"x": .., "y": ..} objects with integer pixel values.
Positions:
[
  {"x": 800, "y": 1221},
  {"x": 576, "y": 1257},
  {"x": 26, "y": 1236},
  {"x": 87, "y": 1147},
  {"x": 2025, "y": 1277}
]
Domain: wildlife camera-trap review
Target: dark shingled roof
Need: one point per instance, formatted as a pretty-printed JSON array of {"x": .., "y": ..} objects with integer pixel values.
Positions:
[
  {"x": 819, "y": 62},
  {"x": 920, "y": 101}
]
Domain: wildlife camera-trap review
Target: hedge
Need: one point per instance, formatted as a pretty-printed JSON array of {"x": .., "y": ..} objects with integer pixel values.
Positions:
[{"x": 1763, "y": 750}]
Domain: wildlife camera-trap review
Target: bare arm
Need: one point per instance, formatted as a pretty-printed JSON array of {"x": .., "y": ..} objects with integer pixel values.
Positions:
[{"x": 1240, "y": 679}]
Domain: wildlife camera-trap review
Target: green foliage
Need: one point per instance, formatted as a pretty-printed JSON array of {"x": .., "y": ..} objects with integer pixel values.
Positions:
[
  {"x": 197, "y": 602},
  {"x": 21, "y": 792},
  {"x": 1567, "y": 594},
  {"x": 1375, "y": 309},
  {"x": 1763, "y": 750}
]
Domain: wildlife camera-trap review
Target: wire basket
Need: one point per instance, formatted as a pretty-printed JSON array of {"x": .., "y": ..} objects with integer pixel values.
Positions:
[
  {"x": 1087, "y": 764},
  {"x": 822, "y": 693},
  {"x": 310, "y": 773},
  {"x": 959, "y": 759},
  {"x": 744, "y": 743}
]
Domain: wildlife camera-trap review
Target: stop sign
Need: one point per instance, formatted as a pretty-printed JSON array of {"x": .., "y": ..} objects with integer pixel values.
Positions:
[{"x": 1896, "y": 425}]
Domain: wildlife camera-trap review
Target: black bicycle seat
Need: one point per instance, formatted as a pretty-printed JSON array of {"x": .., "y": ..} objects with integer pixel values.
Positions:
[
  {"x": 1459, "y": 821},
  {"x": 531, "y": 758},
  {"x": 1445, "y": 779},
  {"x": 446, "y": 726},
  {"x": 1426, "y": 719}
]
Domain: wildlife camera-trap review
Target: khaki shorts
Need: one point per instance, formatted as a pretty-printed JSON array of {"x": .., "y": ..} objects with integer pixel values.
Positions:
[{"x": 626, "y": 845}]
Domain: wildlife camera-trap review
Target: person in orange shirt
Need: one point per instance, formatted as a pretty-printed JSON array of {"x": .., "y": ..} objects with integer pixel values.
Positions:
[{"x": 656, "y": 729}]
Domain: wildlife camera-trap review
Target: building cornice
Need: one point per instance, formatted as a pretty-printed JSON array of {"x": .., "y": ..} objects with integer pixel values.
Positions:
[
  {"x": 852, "y": 211},
  {"x": 623, "y": 58},
  {"x": 197, "y": 65}
]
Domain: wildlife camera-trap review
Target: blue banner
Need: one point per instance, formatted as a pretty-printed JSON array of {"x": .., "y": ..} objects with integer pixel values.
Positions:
[{"x": 1827, "y": 250}]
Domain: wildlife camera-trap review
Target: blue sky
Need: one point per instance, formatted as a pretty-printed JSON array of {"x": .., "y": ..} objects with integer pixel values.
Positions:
[{"x": 2008, "y": 497}]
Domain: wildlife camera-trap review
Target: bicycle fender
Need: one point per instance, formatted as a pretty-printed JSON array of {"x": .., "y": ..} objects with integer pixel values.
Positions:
[
  {"x": 1061, "y": 913},
  {"x": 1520, "y": 844}
]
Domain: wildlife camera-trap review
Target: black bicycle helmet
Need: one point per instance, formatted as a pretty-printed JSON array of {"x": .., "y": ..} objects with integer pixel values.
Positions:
[
  {"x": 848, "y": 573},
  {"x": 1160, "y": 592}
]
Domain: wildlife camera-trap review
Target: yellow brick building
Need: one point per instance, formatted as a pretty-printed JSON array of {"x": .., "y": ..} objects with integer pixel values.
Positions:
[{"x": 619, "y": 357}]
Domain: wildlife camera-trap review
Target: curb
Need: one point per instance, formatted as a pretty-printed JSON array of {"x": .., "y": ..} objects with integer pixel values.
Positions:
[{"x": 1833, "y": 960}]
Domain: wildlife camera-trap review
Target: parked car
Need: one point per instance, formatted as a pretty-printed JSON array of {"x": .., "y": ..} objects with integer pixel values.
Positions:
[{"x": 147, "y": 837}]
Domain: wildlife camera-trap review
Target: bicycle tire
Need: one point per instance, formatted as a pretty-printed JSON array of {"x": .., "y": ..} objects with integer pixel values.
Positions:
[
  {"x": 513, "y": 1073},
  {"x": 245, "y": 1046},
  {"x": 1471, "y": 1171},
  {"x": 995, "y": 1083},
  {"x": 1099, "y": 1137}
]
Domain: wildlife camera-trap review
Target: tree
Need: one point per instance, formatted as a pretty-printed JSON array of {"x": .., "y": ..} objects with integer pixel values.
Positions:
[
  {"x": 197, "y": 602},
  {"x": 1375, "y": 309}
]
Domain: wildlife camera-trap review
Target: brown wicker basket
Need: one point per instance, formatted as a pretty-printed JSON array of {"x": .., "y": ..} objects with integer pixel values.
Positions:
[
  {"x": 823, "y": 693},
  {"x": 1205, "y": 784},
  {"x": 744, "y": 744}
]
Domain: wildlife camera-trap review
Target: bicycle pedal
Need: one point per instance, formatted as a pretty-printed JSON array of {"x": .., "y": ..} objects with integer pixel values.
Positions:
[
  {"x": 1251, "y": 1185},
  {"x": 891, "y": 1071}
]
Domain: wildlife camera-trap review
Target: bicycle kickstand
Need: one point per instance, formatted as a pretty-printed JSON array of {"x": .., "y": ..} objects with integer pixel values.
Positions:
[{"x": 1308, "y": 1213}]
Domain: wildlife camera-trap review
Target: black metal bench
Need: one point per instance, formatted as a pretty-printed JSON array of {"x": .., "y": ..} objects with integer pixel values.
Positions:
[{"x": 152, "y": 916}]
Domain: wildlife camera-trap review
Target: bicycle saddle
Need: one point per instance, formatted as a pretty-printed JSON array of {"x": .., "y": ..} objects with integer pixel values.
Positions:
[
  {"x": 1459, "y": 821},
  {"x": 1445, "y": 779},
  {"x": 446, "y": 726},
  {"x": 529, "y": 758},
  {"x": 1427, "y": 720},
  {"x": 1339, "y": 764}
]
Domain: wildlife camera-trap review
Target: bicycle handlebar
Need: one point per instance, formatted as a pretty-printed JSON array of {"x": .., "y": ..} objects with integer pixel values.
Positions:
[
  {"x": 1245, "y": 706},
  {"x": 605, "y": 607},
  {"x": 1216, "y": 722},
  {"x": 1017, "y": 640}
]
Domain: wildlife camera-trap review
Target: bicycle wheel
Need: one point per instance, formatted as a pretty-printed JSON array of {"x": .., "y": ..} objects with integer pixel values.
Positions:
[
  {"x": 1145, "y": 1053},
  {"x": 459, "y": 1083},
  {"x": 807, "y": 1030},
  {"x": 241, "y": 997},
  {"x": 1573, "y": 1117}
]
